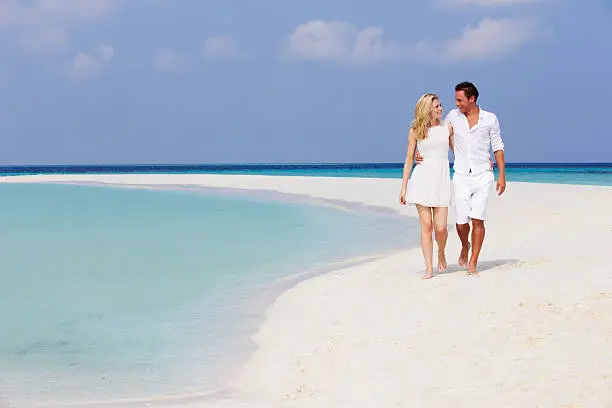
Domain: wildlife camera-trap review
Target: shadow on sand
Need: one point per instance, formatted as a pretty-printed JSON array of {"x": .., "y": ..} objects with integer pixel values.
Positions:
[{"x": 483, "y": 266}]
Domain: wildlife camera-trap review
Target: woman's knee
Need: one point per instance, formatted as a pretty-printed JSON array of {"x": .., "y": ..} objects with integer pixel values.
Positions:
[{"x": 426, "y": 225}]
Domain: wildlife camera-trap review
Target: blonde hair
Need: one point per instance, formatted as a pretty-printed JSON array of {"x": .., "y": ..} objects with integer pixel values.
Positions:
[{"x": 422, "y": 115}]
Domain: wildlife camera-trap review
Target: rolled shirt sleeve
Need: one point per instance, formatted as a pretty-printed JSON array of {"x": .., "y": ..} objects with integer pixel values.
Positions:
[{"x": 496, "y": 140}]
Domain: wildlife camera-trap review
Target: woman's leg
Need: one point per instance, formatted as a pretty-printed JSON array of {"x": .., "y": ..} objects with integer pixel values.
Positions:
[
  {"x": 426, "y": 241},
  {"x": 440, "y": 218}
]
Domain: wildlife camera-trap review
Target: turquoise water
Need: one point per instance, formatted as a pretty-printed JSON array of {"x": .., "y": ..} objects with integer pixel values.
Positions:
[
  {"x": 563, "y": 173},
  {"x": 595, "y": 175},
  {"x": 112, "y": 293}
]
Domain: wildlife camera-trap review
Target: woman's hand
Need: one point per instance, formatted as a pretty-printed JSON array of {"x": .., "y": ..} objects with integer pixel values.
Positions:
[{"x": 403, "y": 197}]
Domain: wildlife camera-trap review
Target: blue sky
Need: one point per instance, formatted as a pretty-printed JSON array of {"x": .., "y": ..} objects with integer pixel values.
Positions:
[{"x": 221, "y": 81}]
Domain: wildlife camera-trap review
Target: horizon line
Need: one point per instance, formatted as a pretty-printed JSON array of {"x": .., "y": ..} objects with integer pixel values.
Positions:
[{"x": 287, "y": 164}]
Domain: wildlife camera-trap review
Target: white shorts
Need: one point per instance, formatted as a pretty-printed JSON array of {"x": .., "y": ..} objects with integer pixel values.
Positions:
[{"x": 471, "y": 195}]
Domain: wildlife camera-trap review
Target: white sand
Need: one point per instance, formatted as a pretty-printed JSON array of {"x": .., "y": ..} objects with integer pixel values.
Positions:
[{"x": 533, "y": 330}]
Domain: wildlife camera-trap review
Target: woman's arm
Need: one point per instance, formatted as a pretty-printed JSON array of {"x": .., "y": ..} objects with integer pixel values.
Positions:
[{"x": 408, "y": 163}]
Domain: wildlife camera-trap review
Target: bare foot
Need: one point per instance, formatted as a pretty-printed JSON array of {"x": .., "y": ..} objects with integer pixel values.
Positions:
[
  {"x": 441, "y": 263},
  {"x": 463, "y": 256},
  {"x": 428, "y": 275},
  {"x": 472, "y": 270}
]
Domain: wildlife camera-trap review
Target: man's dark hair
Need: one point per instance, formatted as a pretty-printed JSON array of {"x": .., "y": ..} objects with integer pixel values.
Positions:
[{"x": 468, "y": 88}]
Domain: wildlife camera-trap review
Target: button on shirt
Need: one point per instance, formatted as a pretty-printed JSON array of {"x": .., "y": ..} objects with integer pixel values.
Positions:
[{"x": 472, "y": 145}]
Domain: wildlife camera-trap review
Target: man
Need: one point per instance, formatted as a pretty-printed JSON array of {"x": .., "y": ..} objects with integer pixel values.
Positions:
[{"x": 475, "y": 131}]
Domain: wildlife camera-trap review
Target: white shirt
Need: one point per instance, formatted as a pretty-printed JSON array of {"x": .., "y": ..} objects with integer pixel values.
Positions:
[{"x": 472, "y": 145}]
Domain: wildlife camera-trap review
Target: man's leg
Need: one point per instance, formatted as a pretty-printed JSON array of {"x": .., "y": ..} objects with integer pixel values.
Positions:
[
  {"x": 463, "y": 193},
  {"x": 478, "y": 234},
  {"x": 484, "y": 185}
]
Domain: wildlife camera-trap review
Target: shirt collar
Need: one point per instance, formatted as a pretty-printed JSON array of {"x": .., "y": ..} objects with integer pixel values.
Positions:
[{"x": 481, "y": 113}]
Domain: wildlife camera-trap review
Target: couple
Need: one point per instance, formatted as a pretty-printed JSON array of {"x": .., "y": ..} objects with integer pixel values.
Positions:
[{"x": 469, "y": 131}]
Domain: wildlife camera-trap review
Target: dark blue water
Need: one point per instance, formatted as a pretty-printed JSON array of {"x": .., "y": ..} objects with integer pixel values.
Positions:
[{"x": 560, "y": 173}]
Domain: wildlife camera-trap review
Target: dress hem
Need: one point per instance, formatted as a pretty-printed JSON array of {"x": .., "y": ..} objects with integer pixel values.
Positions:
[{"x": 413, "y": 204}]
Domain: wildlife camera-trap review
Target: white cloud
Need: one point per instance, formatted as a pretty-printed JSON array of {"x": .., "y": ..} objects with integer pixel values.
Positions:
[
  {"x": 341, "y": 42},
  {"x": 91, "y": 63},
  {"x": 44, "y": 40},
  {"x": 168, "y": 61},
  {"x": 491, "y": 39},
  {"x": 221, "y": 46},
  {"x": 38, "y": 23}
]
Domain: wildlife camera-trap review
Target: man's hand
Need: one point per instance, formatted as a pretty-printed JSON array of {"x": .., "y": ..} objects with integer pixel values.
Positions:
[
  {"x": 500, "y": 185},
  {"x": 492, "y": 164},
  {"x": 418, "y": 157}
]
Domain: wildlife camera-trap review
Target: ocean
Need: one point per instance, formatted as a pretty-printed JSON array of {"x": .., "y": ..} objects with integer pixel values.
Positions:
[
  {"x": 113, "y": 293},
  {"x": 561, "y": 173}
]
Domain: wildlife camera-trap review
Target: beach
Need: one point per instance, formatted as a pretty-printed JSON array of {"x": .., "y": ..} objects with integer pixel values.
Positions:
[{"x": 534, "y": 329}]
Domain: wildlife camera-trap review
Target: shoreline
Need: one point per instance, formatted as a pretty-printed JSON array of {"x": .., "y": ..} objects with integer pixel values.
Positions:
[
  {"x": 530, "y": 331},
  {"x": 256, "y": 304},
  {"x": 265, "y": 194},
  {"x": 291, "y": 187},
  {"x": 261, "y": 301}
]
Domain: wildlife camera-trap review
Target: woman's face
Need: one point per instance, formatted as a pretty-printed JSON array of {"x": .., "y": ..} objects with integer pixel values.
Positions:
[{"x": 436, "y": 110}]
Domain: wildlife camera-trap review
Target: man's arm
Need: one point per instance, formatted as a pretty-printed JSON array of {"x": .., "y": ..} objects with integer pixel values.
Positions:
[
  {"x": 497, "y": 144},
  {"x": 451, "y": 138},
  {"x": 500, "y": 185}
]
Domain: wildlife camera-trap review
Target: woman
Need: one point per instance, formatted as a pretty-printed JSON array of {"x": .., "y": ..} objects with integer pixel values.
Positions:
[{"x": 429, "y": 188}]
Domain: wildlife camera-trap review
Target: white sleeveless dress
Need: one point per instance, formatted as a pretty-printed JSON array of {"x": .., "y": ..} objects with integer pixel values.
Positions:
[{"x": 430, "y": 183}]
